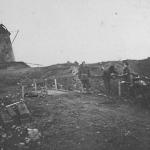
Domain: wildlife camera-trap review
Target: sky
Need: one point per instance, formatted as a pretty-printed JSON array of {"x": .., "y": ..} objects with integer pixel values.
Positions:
[{"x": 57, "y": 31}]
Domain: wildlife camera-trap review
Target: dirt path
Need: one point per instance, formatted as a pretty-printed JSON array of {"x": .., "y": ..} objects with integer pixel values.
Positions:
[{"x": 87, "y": 122}]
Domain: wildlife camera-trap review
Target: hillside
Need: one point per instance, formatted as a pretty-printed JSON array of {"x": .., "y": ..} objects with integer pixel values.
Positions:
[{"x": 18, "y": 71}]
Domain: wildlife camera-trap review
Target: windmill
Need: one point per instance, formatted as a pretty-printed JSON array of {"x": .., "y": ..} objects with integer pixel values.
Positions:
[{"x": 6, "y": 51}]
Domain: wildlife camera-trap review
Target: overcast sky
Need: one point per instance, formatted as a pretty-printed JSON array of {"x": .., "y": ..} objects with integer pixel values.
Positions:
[{"x": 55, "y": 31}]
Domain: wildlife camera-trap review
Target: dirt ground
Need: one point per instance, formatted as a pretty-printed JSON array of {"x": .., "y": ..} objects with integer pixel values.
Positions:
[{"x": 76, "y": 121}]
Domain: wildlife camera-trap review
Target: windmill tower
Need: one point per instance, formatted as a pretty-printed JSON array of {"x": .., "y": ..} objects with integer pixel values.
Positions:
[{"x": 6, "y": 51}]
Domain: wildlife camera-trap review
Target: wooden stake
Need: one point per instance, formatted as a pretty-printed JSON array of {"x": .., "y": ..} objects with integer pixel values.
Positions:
[
  {"x": 46, "y": 88},
  {"x": 35, "y": 85},
  {"x": 22, "y": 88},
  {"x": 14, "y": 104},
  {"x": 45, "y": 84},
  {"x": 56, "y": 88},
  {"x": 119, "y": 88}
]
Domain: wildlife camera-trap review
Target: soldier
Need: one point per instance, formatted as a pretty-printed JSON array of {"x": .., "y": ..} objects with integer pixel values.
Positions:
[
  {"x": 126, "y": 72},
  {"x": 126, "y": 79},
  {"x": 84, "y": 74},
  {"x": 107, "y": 76}
]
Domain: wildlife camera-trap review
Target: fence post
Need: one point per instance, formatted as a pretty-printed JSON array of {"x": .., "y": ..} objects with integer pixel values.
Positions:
[
  {"x": 45, "y": 83},
  {"x": 119, "y": 88},
  {"x": 35, "y": 85},
  {"x": 56, "y": 88},
  {"x": 46, "y": 88},
  {"x": 22, "y": 89}
]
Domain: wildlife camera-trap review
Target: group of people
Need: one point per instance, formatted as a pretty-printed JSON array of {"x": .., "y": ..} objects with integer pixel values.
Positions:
[{"x": 107, "y": 75}]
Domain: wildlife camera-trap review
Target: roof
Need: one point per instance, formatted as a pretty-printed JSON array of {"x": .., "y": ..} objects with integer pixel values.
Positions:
[{"x": 3, "y": 30}]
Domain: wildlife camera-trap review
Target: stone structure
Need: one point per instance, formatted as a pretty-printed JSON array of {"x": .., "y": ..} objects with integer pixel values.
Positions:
[{"x": 6, "y": 52}]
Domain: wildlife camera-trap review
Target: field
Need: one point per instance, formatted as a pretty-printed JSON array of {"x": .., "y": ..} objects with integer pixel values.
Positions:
[{"x": 76, "y": 121}]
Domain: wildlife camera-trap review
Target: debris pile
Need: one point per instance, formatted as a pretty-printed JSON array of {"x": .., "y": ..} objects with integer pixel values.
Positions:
[
  {"x": 19, "y": 137},
  {"x": 15, "y": 128}
]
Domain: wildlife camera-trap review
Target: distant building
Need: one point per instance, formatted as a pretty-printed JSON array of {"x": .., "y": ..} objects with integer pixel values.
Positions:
[{"x": 6, "y": 51}]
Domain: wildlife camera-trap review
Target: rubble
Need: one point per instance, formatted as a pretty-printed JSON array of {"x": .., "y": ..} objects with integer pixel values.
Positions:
[
  {"x": 21, "y": 137},
  {"x": 33, "y": 134}
]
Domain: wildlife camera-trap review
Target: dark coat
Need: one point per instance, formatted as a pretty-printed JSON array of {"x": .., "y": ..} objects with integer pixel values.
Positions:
[
  {"x": 126, "y": 74},
  {"x": 84, "y": 72}
]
